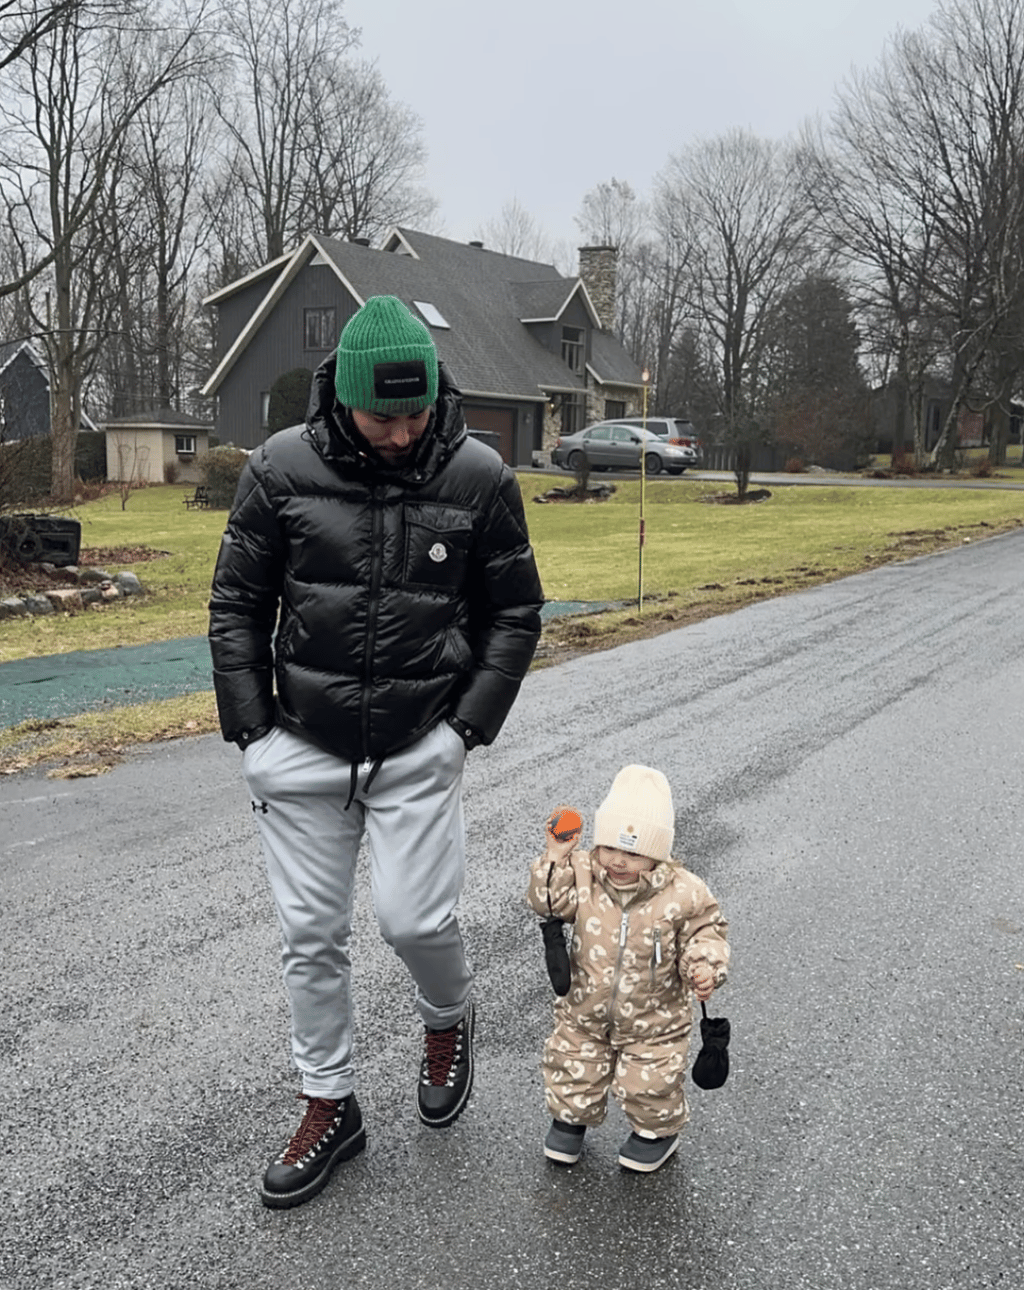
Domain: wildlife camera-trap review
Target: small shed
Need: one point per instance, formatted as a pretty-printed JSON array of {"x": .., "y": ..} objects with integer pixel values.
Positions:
[{"x": 157, "y": 447}]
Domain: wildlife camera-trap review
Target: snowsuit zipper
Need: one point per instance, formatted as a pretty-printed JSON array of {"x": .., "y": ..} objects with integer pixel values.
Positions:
[
  {"x": 656, "y": 956},
  {"x": 623, "y": 928}
]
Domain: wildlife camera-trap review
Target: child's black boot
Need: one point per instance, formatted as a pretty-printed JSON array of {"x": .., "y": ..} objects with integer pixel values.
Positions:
[{"x": 564, "y": 1142}]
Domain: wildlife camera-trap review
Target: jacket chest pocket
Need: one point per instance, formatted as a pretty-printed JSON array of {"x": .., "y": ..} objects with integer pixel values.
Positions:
[{"x": 437, "y": 545}]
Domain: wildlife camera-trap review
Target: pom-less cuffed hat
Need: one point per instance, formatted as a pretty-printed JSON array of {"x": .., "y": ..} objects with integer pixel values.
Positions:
[
  {"x": 637, "y": 814},
  {"x": 386, "y": 361}
]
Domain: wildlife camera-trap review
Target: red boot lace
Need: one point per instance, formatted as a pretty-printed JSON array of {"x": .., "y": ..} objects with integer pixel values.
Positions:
[
  {"x": 319, "y": 1117},
  {"x": 440, "y": 1056}
]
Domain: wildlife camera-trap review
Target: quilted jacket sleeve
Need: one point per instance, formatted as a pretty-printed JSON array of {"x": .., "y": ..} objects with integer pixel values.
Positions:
[
  {"x": 702, "y": 936},
  {"x": 244, "y": 599},
  {"x": 506, "y": 598},
  {"x": 552, "y": 889}
]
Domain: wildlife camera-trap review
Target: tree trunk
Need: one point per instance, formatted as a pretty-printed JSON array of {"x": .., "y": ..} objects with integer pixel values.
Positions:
[
  {"x": 742, "y": 469},
  {"x": 64, "y": 428},
  {"x": 999, "y": 434}
]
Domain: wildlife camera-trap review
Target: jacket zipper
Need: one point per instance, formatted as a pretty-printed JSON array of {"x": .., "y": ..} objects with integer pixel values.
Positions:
[
  {"x": 376, "y": 573},
  {"x": 656, "y": 957},
  {"x": 623, "y": 927}
]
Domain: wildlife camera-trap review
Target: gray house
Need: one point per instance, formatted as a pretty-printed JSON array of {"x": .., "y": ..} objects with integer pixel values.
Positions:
[
  {"x": 24, "y": 392},
  {"x": 530, "y": 349}
]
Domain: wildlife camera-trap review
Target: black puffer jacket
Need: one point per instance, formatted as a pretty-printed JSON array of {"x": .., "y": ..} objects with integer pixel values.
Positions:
[{"x": 399, "y": 596}]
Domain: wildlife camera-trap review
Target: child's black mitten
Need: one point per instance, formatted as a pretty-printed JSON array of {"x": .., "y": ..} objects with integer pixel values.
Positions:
[
  {"x": 556, "y": 956},
  {"x": 711, "y": 1069}
]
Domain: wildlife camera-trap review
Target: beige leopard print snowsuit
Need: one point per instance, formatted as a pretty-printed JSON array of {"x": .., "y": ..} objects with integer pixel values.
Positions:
[{"x": 625, "y": 1023}]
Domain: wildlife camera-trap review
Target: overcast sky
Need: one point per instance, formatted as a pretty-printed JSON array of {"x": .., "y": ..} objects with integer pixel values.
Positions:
[{"x": 540, "y": 100}]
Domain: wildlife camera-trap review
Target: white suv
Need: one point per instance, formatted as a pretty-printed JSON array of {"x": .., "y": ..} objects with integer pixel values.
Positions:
[{"x": 674, "y": 430}]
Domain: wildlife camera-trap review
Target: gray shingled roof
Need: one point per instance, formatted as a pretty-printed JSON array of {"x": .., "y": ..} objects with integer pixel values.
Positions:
[
  {"x": 611, "y": 363},
  {"x": 486, "y": 347},
  {"x": 542, "y": 300},
  {"x": 164, "y": 418},
  {"x": 10, "y": 348},
  {"x": 482, "y": 295}
]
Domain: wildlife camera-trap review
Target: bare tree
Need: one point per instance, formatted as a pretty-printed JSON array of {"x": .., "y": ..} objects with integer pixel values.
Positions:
[
  {"x": 515, "y": 232},
  {"x": 924, "y": 189},
  {"x": 276, "y": 52},
  {"x": 24, "y": 23},
  {"x": 153, "y": 247},
  {"x": 611, "y": 214},
  {"x": 78, "y": 91},
  {"x": 363, "y": 158},
  {"x": 738, "y": 220},
  {"x": 315, "y": 143}
]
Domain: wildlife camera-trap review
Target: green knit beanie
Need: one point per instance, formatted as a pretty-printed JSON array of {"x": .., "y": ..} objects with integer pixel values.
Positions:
[{"x": 386, "y": 360}]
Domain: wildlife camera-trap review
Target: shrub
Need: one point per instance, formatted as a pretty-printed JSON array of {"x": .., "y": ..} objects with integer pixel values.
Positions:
[
  {"x": 91, "y": 455},
  {"x": 794, "y": 466},
  {"x": 220, "y": 469},
  {"x": 982, "y": 468},
  {"x": 170, "y": 472},
  {"x": 289, "y": 399}
]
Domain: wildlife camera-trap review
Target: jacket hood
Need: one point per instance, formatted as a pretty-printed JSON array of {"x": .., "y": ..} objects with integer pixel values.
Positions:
[{"x": 330, "y": 429}]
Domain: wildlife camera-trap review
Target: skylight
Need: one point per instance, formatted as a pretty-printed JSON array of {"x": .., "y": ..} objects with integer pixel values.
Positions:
[{"x": 432, "y": 314}]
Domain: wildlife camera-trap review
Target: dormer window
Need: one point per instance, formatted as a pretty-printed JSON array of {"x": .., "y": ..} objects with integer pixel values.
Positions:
[{"x": 573, "y": 348}]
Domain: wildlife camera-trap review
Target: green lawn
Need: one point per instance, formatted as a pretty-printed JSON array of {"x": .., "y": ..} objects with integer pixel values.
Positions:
[
  {"x": 585, "y": 552},
  {"x": 701, "y": 558},
  {"x": 177, "y": 585},
  {"x": 590, "y": 551}
]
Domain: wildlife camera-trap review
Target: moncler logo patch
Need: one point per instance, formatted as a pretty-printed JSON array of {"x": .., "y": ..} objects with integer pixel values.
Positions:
[{"x": 438, "y": 552}]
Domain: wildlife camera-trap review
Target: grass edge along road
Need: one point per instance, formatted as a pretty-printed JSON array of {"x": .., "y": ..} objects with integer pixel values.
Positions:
[{"x": 701, "y": 559}]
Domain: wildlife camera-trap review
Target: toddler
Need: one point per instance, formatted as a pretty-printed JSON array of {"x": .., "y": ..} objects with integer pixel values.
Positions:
[{"x": 645, "y": 931}]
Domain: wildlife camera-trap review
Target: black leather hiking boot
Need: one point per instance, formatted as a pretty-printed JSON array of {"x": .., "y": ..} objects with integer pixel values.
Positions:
[
  {"x": 331, "y": 1131},
  {"x": 446, "y": 1072}
]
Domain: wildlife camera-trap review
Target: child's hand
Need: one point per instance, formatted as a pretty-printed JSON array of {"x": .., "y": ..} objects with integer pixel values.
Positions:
[
  {"x": 703, "y": 981},
  {"x": 558, "y": 849}
]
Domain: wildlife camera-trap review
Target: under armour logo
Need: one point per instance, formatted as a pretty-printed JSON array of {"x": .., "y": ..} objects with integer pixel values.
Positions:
[
  {"x": 260, "y": 806},
  {"x": 438, "y": 552}
]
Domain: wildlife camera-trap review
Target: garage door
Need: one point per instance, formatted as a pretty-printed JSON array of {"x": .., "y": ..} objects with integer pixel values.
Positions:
[{"x": 500, "y": 421}]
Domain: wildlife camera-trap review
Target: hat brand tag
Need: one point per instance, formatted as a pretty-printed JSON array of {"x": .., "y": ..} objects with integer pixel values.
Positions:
[
  {"x": 438, "y": 552},
  {"x": 628, "y": 841},
  {"x": 405, "y": 380}
]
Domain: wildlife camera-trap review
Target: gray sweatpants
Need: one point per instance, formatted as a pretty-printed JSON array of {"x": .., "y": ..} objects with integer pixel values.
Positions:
[{"x": 412, "y": 818}]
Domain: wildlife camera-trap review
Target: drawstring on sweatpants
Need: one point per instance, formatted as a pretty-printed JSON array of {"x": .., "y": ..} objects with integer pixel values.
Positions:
[{"x": 353, "y": 782}]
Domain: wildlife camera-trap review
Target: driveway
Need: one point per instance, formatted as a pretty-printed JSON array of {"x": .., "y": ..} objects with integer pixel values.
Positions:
[{"x": 846, "y": 768}]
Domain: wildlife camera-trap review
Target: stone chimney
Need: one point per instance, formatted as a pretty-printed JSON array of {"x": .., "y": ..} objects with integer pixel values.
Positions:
[{"x": 598, "y": 269}]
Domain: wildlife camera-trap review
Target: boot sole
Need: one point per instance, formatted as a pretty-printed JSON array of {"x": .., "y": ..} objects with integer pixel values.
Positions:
[
  {"x": 562, "y": 1157},
  {"x": 287, "y": 1199}
]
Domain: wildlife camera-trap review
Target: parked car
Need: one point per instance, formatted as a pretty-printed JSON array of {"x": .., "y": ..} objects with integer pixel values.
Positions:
[
  {"x": 676, "y": 430},
  {"x": 611, "y": 445}
]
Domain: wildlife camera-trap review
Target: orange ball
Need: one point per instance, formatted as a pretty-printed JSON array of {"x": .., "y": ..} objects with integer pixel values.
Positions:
[{"x": 565, "y": 824}]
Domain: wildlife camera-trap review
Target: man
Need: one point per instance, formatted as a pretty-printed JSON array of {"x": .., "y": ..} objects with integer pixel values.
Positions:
[{"x": 376, "y": 570}]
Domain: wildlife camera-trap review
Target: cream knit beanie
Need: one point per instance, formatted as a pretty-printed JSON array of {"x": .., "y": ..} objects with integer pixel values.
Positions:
[{"x": 637, "y": 814}]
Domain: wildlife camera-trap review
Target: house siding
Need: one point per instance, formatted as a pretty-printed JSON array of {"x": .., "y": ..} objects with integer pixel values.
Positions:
[
  {"x": 24, "y": 400},
  {"x": 278, "y": 347}
]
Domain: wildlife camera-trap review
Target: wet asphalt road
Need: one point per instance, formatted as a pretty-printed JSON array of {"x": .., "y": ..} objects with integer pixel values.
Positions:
[{"x": 847, "y": 772}]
